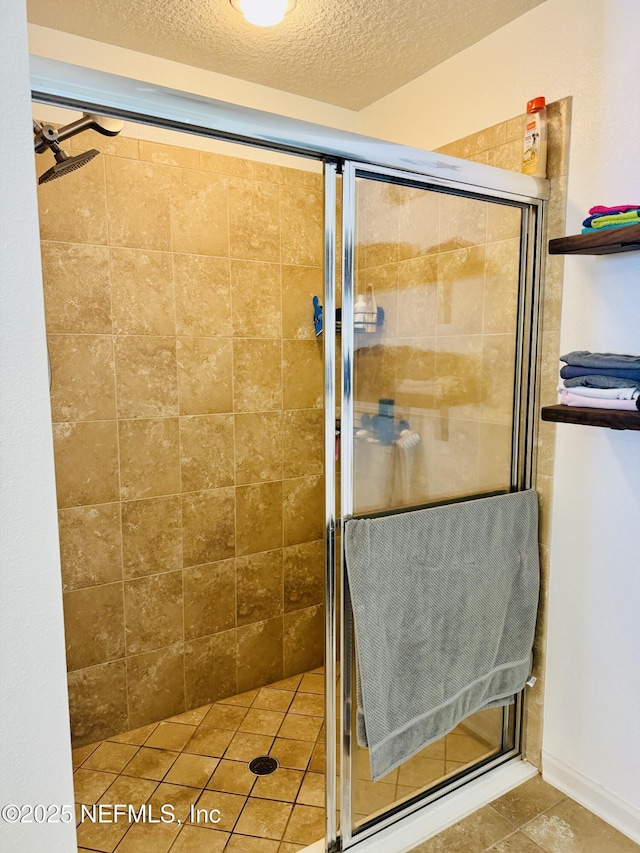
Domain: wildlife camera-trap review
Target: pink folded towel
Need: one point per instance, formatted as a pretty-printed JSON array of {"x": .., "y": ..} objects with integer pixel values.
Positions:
[
  {"x": 621, "y": 208},
  {"x": 569, "y": 399}
]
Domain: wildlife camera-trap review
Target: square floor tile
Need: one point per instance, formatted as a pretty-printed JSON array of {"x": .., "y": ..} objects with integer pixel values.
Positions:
[
  {"x": 282, "y": 785},
  {"x": 246, "y": 747},
  {"x": 150, "y": 763},
  {"x": 170, "y": 736},
  {"x": 82, "y": 752},
  {"x": 527, "y": 801},
  {"x": 310, "y": 704},
  {"x": 90, "y": 785},
  {"x": 312, "y": 682},
  {"x": 587, "y": 832},
  {"x": 208, "y": 741},
  {"x": 269, "y": 699},
  {"x": 179, "y": 797},
  {"x": 306, "y": 825},
  {"x": 474, "y": 834},
  {"x": 192, "y": 770},
  {"x": 312, "y": 790},
  {"x": 264, "y": 819},
  {"x": 234, "y": 777},
  {"x": 292, "y": 753},
  {"x": 225, "y": 716},
  {"x": 110, "y": 757},
  {"x": 261, "y": 722},
  {"x": 196, "y": 839},
  {"x": 101, "y": 836},
  {"x": 130, "y": 790},
  {"x": 298, "y": 727},
  {"x": 229, "y": 807},
  {"x": 149, "y": 838}
]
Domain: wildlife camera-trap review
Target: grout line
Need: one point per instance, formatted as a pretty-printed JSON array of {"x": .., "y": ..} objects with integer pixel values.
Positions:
[
  {"x": 145, "y": 336},
  {"x": 107, "y": 244},
  {"x": 194, "y": 414},
  {"x": 119, "y": 491},
  {"x": 183, "y": 654}
]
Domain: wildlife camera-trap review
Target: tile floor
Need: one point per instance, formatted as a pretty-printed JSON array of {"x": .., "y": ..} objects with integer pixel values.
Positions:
[
  {"x": 200, "y": 758},
  {"x": 533, "y": 818}
]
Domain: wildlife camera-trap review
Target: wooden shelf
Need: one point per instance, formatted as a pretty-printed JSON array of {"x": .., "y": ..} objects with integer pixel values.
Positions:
[
  {"x": 611, "y": 418},
  {"x": 608, "y": 242}
]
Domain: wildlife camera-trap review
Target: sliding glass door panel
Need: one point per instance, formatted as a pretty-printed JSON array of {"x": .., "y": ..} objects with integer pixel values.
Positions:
[{"x": 438, "y": 320}]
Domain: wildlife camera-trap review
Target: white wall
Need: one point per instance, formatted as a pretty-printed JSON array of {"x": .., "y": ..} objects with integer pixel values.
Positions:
[
  {"x": 34, "y": 718},
  {"x": 587, "y": 49}
]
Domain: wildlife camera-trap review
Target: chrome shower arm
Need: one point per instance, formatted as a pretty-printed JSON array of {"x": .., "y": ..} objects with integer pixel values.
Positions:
[
  {"x": 104, "y": 125},
  {"x": 46, "y": 135}
]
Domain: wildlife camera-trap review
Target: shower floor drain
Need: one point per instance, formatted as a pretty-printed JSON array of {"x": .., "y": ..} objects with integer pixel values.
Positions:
[{"x": 263, "y": 765}]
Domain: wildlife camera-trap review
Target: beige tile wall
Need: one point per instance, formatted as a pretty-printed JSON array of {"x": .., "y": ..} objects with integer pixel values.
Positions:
[{"x": 187, "y": 416}]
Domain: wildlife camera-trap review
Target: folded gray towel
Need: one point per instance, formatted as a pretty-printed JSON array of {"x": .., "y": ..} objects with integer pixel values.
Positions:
[
  {"x": 444, "y": 602},
  {"x": 610, "y": 360},
  {"x": 593, "y": 380}
]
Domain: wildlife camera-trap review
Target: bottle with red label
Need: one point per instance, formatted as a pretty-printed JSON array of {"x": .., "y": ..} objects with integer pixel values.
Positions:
[{"x": 534, "y": 152}]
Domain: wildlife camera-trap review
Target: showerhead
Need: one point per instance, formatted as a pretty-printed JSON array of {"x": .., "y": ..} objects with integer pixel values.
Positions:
[
  {"x": 48, "y": 138},
  {"x": 65, "y": 164}
]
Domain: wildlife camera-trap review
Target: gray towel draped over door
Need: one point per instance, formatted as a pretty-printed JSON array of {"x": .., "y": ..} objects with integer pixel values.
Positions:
[{"x": 444, "y": 603}]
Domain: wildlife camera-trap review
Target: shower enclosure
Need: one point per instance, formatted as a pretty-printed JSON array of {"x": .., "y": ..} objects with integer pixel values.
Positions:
[{"x": 429, "y": 395}]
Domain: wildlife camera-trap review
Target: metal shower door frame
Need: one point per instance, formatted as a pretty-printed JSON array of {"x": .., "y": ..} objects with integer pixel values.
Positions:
[{"x": 522, "y": 451}]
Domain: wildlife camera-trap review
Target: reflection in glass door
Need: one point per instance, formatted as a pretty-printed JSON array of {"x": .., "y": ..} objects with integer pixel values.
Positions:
[{"x": 437, "y": 342}]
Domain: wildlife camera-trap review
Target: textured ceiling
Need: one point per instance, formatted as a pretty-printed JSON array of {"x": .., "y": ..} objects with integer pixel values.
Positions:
[{"x": 344, "y": 52}]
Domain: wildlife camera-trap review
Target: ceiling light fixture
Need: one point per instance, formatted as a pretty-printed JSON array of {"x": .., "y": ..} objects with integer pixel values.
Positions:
[{"x": 264, "y": 13}]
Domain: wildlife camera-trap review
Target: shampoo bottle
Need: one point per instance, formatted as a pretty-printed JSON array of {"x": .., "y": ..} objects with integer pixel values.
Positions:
[{"x": 534, "y": 152}]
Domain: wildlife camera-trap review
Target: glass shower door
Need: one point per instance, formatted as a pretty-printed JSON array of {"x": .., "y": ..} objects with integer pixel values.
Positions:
[{"x": 436, "y": 345}]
